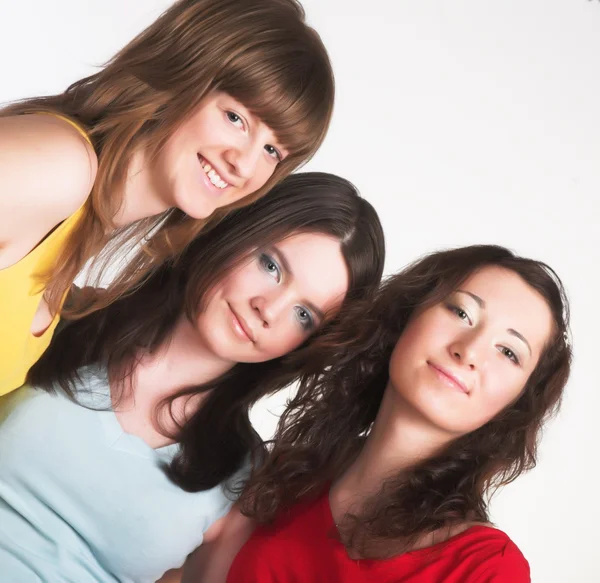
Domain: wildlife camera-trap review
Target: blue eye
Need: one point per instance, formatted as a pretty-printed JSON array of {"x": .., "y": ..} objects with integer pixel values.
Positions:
[
  {"x": 305, "y": 318},
  {"x": 269, "y": 265},
  {"x": 233, "y": 117},
  {"x": 510, "y": 354}
]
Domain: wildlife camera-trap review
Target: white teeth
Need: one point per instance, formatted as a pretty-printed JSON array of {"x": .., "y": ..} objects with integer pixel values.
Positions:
[{"x": 214, "y": 178}]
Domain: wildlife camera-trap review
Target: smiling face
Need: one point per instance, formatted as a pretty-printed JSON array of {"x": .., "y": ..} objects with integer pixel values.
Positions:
[
  {"x": 462, "y": 361},
  {"x": 271, "y": 304},
  {"x": 221, "y": 154}
]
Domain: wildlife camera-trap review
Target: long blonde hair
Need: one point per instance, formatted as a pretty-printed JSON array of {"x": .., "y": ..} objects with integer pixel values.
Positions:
[{"x": 261, "y": 52}]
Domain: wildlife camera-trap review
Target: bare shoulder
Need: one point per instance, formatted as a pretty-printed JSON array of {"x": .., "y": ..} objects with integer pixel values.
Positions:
[{"x": 47, "y": 170}]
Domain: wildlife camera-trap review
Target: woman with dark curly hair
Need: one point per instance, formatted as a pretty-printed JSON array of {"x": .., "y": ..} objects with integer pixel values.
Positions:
[{"x": 383, "y": 464}]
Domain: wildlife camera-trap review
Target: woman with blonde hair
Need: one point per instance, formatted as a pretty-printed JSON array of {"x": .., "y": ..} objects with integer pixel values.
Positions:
[{"x": 202, "y": 113}]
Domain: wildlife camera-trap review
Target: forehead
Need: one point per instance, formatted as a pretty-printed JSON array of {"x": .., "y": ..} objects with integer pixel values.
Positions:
[
  {"x": 510, "y": 302},
  {"x": 318, "y": 266}
]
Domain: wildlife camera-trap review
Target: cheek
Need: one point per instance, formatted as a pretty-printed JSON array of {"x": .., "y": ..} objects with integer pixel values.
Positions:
[
  {"x": 179, "y": 139},
  {"x": 203, "y": 120},
  {"x": 502, "y": 389},
  {"x": 264, "y": 170},
  {"x": 400, "y": 368},
  {"x": 243, "y": 283},
  {"x": 198, "y": 132},
  {"x": 164, "y": 164},
  {"x": 205, "y": 312},
  {"x": 413, "y": 344},
  {"x": 286, "y": 338}
]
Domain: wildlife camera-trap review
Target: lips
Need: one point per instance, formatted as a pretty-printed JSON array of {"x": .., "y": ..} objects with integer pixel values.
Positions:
[
  {"x": 241, "y": 327},
  {"x": 450, "y": 377}
]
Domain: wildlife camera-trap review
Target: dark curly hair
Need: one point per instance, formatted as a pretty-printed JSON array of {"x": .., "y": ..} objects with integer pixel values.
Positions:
[{"x": 326, "y": 423}]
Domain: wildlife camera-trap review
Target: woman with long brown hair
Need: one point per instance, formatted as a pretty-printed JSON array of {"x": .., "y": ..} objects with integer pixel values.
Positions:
[
  {"x": 200, "y": 114},
  {"x": 383, "y": 464},
  {"x": 118, "y": 458}
]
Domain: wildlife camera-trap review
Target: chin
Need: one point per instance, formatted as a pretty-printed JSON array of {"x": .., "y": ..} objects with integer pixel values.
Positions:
[
  {"x": 453, "y": 427},
  {"x": 194, "y": 207},
  {"x": 196, "y": 214}
]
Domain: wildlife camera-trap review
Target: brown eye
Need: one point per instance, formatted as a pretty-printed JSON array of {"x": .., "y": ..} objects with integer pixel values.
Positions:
[
  {"x": 509, "y": 354},
  {"x": 459, "y": 312},
  {"x": 274, "y": 152}
]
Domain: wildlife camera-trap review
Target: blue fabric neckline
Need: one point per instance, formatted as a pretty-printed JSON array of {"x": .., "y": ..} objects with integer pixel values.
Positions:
[{"x": 98, "y": 398}]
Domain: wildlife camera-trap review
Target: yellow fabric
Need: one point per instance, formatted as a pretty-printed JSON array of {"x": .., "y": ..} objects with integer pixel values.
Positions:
[{"x": 20, "y": 295}]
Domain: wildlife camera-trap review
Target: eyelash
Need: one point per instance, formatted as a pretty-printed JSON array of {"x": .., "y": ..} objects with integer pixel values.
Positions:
[
  {"x": 307, "y": 322},
  {"x": 265, "y": 261},
  {"x": 273, "y": 152},
  {"x": 503, "y": 349},
  {"x": 513, "y": 358},
  {"x": 457, "y": 310},
  {"x": 232, "y": 114}
]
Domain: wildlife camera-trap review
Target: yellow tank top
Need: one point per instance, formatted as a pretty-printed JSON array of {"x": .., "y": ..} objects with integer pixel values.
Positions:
[{"x": 20, "y": 296}]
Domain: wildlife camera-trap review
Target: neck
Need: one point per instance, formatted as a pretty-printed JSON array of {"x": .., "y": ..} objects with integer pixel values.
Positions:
[
  {"x": 182, "y": 360},
  {"x": 140, "y": 195},
  {"x": 399, "y": 439}
]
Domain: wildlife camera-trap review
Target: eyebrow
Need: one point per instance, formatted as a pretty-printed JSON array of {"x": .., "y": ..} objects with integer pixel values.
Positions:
[
  {"x": 520, "y": 337},
  {"x": 286, "y": 267},
  {"x": 481, "y": 304},
  {"x": 479, "y": 301}
]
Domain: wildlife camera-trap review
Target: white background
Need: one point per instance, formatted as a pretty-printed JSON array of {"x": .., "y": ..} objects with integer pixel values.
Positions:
[{"x": 462, "y": 121}]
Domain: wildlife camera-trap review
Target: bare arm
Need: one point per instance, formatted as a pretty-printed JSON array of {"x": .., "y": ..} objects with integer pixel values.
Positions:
[
  {"x": 47, "y": 170},
  {"x": 210, "y": 563},
  {"x": 171, "y": 576}
]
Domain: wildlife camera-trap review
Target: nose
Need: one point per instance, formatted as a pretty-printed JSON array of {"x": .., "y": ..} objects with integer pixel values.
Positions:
[
  {"x": 244, "y": 157},
  {"x": 465, "y": 350},
  {"x": 269, "y": 308}
]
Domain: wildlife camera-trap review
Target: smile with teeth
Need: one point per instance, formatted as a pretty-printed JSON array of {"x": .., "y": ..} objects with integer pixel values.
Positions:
[{"x": 214, "y": 178}]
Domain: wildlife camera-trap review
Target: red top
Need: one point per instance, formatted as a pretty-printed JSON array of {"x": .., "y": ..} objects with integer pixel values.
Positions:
[{"x": 299, "y": 548}]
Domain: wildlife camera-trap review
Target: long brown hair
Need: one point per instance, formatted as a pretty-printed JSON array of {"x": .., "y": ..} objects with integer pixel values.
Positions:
[
  {"x": 217, "y": 437},
  {"x": 325, "y": 425},
  {"x": 261, "y": 52}
]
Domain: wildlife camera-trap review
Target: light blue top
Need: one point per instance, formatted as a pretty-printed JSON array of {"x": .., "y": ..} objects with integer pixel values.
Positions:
[{"x": 82, "y": 501}]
